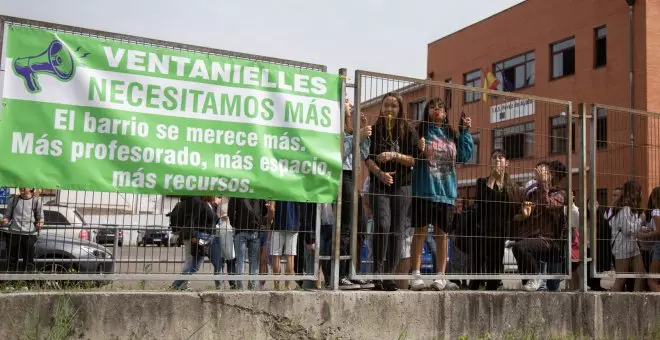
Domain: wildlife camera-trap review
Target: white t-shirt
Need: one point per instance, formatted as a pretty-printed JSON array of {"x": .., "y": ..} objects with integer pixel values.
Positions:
[
  {"x": 648, "y": 245},
  {"x": 623, "y": 225}
]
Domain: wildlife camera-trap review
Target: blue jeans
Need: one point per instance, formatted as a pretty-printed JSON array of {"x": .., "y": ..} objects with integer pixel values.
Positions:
[
  {"x": 251, "y": 241},
  {"x": 552, "y": 285},
  {"x": 430, "y": 243},
  {"x": 194, "y": 262}
]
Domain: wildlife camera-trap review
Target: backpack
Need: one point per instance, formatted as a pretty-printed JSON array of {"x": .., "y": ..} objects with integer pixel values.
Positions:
[
  {"x": 180, "y": 218},
  {"x": 14, "y": 202}
]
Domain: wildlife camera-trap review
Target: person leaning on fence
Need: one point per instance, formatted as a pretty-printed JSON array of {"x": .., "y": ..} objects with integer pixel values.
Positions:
[
  {"x": 199, "y": 216},
  {"x": 434, "y": 185},
  {"x": 652, "y": 235},
  {"x": 626, "y": 222},
  {"x": 497, "y": 201},
  {"x": 23, "y": 219},
  {"x": 539, "y": 225},
  {"x": 391, "y": 157},
  {"x": 348, "y": 188}
]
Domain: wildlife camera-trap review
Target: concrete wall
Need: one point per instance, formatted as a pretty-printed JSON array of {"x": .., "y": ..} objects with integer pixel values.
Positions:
[{"x": 328, "y": 315}]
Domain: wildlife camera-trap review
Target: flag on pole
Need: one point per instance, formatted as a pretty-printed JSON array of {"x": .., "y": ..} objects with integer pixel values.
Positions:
[{"x": 490, "y": 83}]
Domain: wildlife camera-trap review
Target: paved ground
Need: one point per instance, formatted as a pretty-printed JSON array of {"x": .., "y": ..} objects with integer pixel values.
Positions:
[{"x": 163, "y": 260}]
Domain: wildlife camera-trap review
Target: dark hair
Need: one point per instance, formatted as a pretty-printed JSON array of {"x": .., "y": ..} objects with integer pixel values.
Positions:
[
  {"x": 544, "y": 163},
  {"x": 400, "y": 123},
  {"x": 427, "y": 123},
  {"x": 510, "y": 186},
  {"x": 631, "y": 197},
  {"x": 558, "y": 170},
  {"x": 653, "y": 203}
]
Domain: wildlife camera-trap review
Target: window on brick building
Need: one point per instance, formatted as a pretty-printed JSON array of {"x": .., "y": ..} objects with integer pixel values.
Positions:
[
  {"x": 601, "y": 128},
  {"x": 559, "y": 135},
  {"x": 472, "y": 79},
  {"x": 601, "y": 197},
  {"x": 417, "y": 109},
  {"x": 600, "y": 46},
  {"x": 563, "y": 58},
  {"x": 517, "y": 72},
  {"x": 474, "y": 159},
  {"x": 448, "y": 92},
  {"x": 517, "y": 140}
]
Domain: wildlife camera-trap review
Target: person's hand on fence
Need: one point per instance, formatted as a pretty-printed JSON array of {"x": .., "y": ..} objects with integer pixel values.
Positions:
[
  {"x": 386, "y": 177},
  {"x": 311, "y": 248},
  {"x": 365, "y": 132},
  {"x": 421, "y": 144},
  {"x": 385, "y": 157},
  {"x": 526, "y": 209},
  {"x": 270, "y": 206},
  {"x": 5, "y": 221}
]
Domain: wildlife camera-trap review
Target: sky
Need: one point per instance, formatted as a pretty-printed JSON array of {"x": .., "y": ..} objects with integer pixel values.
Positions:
[{"x": 388, "y": 36}]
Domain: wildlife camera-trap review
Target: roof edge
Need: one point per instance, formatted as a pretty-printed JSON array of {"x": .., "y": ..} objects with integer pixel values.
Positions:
[{"x": 478, "y": 22}]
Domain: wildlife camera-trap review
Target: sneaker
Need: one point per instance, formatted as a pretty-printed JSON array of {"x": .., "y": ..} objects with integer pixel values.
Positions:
[
  {"x": 417, "y": 284},
  {"x": 363, "y": 284},
  {"x": 346, "y": 284},
  {"x": 390, "y": 286},
  {"x": 532, "y": 285},
  {"x": 439, "y": 285},
  {"x": 451, "y": 285}
]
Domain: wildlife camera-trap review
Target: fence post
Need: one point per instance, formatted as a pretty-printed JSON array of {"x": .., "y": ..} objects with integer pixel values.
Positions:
[
  {"x": 582, "y": 201},
  {"x": 356, "y": 253},
  {"x": 593, "y": 203},
  {"x": 569, "y": 187},
  {"x": 336, "y": 235}
]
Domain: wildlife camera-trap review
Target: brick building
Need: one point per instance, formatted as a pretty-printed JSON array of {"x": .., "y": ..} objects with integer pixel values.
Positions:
[{"x": 575, "y": 50}]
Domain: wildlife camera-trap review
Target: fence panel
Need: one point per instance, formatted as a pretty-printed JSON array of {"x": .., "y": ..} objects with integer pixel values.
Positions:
[
  {"x": 412, "y": 194},
  {"x": 138, "y": 243},
  {"x": 625, "y": 151}
]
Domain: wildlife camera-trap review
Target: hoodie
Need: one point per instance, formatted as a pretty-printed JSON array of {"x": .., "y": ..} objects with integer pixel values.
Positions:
[{"x": 434, "y": 175}]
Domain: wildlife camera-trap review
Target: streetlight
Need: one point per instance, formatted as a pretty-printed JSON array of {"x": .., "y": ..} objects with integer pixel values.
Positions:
[{"x": 631, "y": 12}]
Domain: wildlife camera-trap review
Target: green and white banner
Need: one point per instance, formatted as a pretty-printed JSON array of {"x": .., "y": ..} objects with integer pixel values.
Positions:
[{"x": 90, "y": 114}]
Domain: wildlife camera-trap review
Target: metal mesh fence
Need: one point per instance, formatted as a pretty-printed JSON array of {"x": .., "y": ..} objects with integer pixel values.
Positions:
[
  {"x": 486, "y": 196},
  {"x": 624, "y": 196}
]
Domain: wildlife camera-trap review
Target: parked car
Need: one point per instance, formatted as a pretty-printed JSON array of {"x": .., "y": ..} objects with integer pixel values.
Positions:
[
  {"x": 157, "y": 235},
  {"x": 58, "y": 254},
  {"x": 64, "y": 221},
  {"x": 107, "y": 234}
]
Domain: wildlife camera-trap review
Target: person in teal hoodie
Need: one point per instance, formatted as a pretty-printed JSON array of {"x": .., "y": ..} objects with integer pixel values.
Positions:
[{"x": 434, "y": 185}]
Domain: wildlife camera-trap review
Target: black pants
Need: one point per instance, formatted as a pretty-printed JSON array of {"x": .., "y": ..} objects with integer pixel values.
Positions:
[
  {"x": 486, "y": 258},
  {"x": 391, "y": 218},
  {"x": 20, "y": 247},
  {"x": 529, "y": 251}
]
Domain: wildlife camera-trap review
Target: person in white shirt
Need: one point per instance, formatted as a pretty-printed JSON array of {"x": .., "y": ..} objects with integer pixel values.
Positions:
[{"x": 626, "y": 221}]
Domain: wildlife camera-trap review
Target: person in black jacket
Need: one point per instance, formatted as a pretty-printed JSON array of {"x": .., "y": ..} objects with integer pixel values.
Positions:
[
  {"x": 199, "y": 217},
  {"x": 496, "y": 206},
  {"x": 248, "y": 217}
]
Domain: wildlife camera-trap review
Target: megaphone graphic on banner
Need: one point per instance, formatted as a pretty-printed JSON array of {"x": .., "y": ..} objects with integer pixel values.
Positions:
[{"x": 55, "y": 60}]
